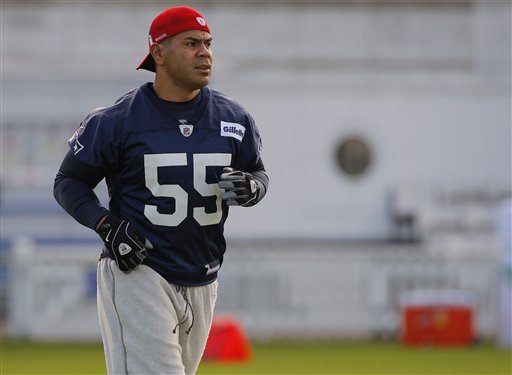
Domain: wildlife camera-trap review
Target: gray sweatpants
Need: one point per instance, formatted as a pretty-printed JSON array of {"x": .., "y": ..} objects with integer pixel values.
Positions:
[{"x": 150, "y": 326}]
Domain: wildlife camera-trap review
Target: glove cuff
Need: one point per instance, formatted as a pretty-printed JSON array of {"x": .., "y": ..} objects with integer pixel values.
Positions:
[
  {"x": 255, "y": 189},
  {"x": 109, "y": 222}
]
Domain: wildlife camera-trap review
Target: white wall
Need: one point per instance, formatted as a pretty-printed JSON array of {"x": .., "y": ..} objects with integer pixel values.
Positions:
[{"x": 427, "y": 85}]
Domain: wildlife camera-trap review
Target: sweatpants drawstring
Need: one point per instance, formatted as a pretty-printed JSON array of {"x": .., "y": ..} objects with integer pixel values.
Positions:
[{"x": 183, "y": 291}]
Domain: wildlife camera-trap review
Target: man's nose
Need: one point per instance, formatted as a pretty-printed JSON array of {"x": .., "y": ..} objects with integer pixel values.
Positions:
[{"x": 204, "y": 51}]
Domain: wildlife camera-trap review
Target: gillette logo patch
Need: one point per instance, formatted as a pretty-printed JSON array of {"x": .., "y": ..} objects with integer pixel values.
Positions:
[{"x": 232, "y": 129}]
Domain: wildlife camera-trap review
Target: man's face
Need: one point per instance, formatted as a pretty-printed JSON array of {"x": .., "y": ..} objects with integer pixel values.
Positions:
[{"x": 188, "y": 59}]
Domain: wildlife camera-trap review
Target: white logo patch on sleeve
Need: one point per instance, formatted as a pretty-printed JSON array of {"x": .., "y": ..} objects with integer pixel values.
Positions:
[
  {"x": 77, "y": 146},
  {"x": 232, "y": 129}
]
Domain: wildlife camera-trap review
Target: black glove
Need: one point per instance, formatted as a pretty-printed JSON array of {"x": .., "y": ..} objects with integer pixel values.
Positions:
[
  {"x": 240, "y": 187},
  {"x": 124, "y": 242}
]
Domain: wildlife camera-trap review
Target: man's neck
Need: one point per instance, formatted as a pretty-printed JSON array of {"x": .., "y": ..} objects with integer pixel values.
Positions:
[{"x": 173, "y": 93}]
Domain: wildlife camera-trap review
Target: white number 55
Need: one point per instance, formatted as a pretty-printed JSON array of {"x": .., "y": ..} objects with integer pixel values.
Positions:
[{"x": 200, "y": 162}]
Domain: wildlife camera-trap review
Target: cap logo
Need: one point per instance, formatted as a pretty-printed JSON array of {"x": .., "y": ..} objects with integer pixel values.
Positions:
[
  {"x": 159, "y": 38},
  {"x": 201, "y": 21}
]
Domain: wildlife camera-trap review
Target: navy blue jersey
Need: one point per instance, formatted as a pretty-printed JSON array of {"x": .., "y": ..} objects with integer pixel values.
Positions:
[{"x": 162, "y": 173}]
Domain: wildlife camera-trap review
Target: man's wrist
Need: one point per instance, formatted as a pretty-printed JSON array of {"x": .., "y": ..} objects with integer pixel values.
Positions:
[{"x": 100, "y": 221}]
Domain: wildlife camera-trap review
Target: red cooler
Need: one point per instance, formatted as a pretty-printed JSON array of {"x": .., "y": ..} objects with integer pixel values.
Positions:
[{"x": 437, "y": 317}]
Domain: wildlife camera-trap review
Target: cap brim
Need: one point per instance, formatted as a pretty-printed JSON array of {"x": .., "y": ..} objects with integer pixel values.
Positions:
[{"x": 148, "y": 64}]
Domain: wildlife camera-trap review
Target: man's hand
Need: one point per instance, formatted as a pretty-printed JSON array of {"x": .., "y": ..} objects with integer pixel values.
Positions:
[
  {"x": 124, "y": 242},
  {"x": 240, "y": 187}
]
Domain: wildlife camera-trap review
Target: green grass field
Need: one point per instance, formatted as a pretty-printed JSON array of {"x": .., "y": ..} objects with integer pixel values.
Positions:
[{"x": 278, "y": 358}]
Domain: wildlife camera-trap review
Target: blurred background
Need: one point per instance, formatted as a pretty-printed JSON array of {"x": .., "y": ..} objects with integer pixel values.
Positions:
[{"x": 386, "y": 134}]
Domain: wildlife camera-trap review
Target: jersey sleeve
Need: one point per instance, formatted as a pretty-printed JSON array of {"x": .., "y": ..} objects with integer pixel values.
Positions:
[
  {"x": 96, "y": 141},
  {"x": 73, "y": 190},
  {"x": 250, "y": 156},
  {"x": 93, "y": 152},
  {"x": 249, "y": 159}
]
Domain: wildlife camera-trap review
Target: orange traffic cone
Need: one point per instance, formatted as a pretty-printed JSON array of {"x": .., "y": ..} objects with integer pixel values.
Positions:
[{"x": 227, "y": 341}]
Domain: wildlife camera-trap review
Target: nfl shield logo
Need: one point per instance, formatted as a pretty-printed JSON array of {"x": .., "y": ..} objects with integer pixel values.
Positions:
[{"x": 186, "y": 129}]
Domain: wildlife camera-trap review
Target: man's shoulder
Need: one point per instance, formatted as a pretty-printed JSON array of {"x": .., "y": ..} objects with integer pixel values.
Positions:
[
  {"x": 119, "y": 110},
  {"x": 225, "y": 101}
]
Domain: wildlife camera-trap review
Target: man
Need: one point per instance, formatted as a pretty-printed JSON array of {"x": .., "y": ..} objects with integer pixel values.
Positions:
[{"x": 175, "y": 155}]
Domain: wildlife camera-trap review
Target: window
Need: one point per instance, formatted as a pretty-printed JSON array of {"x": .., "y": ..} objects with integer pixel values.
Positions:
[{"x": 353, "y": 156}]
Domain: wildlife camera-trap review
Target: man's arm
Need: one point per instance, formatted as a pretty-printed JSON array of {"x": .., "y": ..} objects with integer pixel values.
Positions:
[
  {"x": 73, "y": 190},
  {"x": 261, "y": 178}
]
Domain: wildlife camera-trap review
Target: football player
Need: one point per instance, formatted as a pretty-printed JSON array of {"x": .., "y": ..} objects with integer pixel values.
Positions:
[{"x": 175, "y": 155}]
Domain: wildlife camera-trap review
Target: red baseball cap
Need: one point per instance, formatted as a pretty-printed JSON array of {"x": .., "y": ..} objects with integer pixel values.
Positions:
[{"x": 170, "y": 22}]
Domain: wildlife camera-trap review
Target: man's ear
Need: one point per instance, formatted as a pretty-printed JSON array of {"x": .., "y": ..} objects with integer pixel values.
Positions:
[{"x": 157, "y": 51}]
